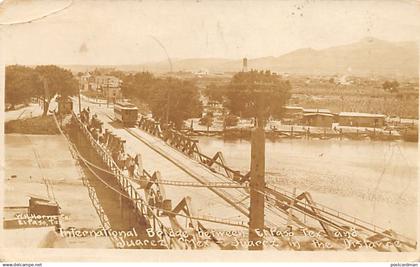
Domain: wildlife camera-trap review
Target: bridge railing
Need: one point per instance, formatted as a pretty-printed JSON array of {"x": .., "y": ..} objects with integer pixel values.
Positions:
[
  {"x": 333, "y": 214},
  {"x": 189, "y": 147},
  {"x": 141, "y": 206}
]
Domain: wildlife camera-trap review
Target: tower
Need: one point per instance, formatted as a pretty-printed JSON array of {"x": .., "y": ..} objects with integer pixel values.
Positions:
[{"x": 244, "y": 64}]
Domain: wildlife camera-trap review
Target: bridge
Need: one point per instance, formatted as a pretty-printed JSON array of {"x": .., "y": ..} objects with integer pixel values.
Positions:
[{"x": 178, "y": 187}]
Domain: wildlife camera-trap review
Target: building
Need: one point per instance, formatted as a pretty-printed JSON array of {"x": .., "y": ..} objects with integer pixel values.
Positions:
[
  {"x": 112, "y": 93},
  {"x": 86, "y": 82},
  {"x": 292, "y": 113},
  {"x": 109, "y": 87},
  {"x": 318, "y": 119},
  {"x": 107, "y": 81},
  {"x": 201, "y": 72},
  {"x": 357, "y": 119},
  {"x": 213, "y": 107}
]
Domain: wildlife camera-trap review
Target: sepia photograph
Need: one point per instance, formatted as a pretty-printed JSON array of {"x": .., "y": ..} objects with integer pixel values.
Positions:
[{"x": 163, "y": 127}]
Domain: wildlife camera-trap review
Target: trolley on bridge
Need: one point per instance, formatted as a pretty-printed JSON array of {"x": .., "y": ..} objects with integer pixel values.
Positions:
[{"x": 126, "y": 113}]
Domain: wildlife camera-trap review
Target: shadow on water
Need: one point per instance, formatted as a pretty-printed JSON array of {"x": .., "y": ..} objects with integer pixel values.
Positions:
[{"x": 118, "y": 209}]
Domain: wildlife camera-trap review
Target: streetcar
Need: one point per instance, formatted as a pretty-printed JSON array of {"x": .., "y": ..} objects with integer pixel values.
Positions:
[{"x": 126, "y": 113}]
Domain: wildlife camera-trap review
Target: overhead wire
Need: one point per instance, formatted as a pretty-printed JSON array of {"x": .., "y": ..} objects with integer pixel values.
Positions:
[
  {"x": 292, "y": 207},
  {"x": 199, "y": 218},
  {"x": 170, "y": 182},
  {"x": 243, "y": 194}
]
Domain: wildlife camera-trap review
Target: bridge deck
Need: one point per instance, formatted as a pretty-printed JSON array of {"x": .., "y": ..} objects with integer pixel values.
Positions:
[
  {"x": 227, "y": 203},
  {"x": 222, "y": 203},
  {"x": 204, "y": 201}
]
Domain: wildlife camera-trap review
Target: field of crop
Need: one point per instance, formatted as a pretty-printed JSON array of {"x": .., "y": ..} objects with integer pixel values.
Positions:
[
  {"x": 356, "y": 94},
  {"x": 360, "y": 96}
]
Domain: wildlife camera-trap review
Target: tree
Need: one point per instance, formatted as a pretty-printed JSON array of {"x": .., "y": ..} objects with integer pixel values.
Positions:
[
  {"x": 117, "y": 73},
  {"x": 55, "y": 80},
  {"x": 21, "y": 83},
  {"x": 391, "y": 86},
  {"x": 170, "y": 99},
  {"x": 214, "y": 92},
  {"x": 257, "y": 94},
  {"x": 260, "y": 95},
  {"x": 138, "y": 85},
  {"x": 98, "y": 71},
  {"x": 174, "y": 100}
]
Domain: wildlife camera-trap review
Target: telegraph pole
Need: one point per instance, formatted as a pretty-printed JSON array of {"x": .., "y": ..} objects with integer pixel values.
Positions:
[
  {"x": 107, "y": 96},
  {"x": 167, "y": 108},
  {"x": 80, "y": 102},
  {"x": 257, "y": 184},
  {"x": 46, "y": 95}
]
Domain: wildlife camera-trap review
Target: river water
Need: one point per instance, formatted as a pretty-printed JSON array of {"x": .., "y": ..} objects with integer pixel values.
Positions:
[{"x": 375, "y": 181}]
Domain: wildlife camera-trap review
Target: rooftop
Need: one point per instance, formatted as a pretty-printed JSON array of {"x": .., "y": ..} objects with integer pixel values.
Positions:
[
  {"x": 293, "y": 108},
  {"x": 318, "y": 114},
  {"x": 126, "y": 104},
  {"x": 316, "y": 110},
  {"x": 359, "y": 114}
]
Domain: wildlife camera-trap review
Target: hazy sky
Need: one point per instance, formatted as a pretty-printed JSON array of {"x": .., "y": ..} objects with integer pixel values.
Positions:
[{"x": 132, "y": 32}]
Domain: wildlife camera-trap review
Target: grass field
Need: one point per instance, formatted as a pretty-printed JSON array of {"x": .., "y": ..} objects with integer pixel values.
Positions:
[
  {"x": 35, "y": 125},
  {"x": 362, "y": 95}
]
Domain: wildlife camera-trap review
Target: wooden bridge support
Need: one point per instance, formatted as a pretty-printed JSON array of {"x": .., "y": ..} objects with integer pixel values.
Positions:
[
  {"x": 189, "y": 147},
  {"x": 302, "y": 204},
  {"x": 155, "y": 204},
  {"x": 128, "y": 190}
]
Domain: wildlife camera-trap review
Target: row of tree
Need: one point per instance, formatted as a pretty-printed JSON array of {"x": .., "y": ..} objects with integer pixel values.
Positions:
[
  {"x": 249, "y": 94},
  {"x": 252, "y": 94},
  {"x": 169, "y": 99},
  {"x": 42, "y": 82}
]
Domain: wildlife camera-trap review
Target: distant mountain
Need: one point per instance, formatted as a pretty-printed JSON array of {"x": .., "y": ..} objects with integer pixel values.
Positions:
[{"x": 369, "y": 56}]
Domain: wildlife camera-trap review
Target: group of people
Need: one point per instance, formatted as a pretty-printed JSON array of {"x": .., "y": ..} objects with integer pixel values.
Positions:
[
  {"x": 129, "y": 164},
  {"x": 132, "y": 166}
]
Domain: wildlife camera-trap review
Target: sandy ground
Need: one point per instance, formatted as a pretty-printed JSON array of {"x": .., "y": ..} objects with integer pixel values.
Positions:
[
  {"x": 55, "y": 163},
  {"x": 32, "y": 110}
]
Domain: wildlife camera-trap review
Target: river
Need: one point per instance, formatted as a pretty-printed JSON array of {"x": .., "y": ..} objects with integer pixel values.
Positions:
[{"x": 375, "y": 181}]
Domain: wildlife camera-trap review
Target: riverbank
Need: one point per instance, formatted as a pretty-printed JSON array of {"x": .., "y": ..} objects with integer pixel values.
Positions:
[
  {"x": 30, "y": 161},
  {"x": 276, "y": 130},
  {"x": 316, "y": 133}
]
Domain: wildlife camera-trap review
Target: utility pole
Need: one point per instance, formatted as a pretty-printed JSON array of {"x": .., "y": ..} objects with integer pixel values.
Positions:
[
  {"x": 167, "y": 108},
  {"x": 46, "y": 95},
  {"x": 80, "y": 102},
  {"x": 257, "y": 184},
  {"x": 107, "y": 96}
]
